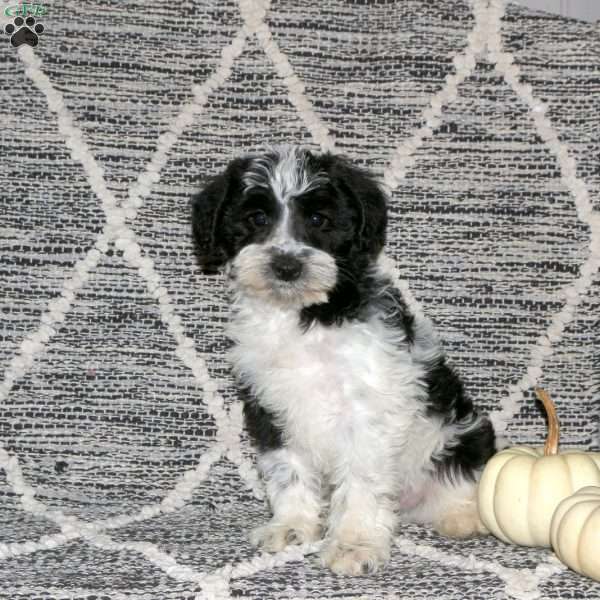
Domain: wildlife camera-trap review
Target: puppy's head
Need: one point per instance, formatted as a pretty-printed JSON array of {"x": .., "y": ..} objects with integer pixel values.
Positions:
[{"x": 291, "y": 225}]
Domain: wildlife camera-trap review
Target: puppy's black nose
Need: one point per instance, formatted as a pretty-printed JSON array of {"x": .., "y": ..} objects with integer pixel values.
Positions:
[{"x": 286, "y": 267}]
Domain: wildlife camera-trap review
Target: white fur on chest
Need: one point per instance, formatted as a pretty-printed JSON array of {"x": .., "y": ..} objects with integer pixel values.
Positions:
[{"x": 330, "y": 389}]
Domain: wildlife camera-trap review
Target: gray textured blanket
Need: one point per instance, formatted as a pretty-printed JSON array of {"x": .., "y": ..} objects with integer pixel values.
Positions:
[{"x": 124, "y": 469}]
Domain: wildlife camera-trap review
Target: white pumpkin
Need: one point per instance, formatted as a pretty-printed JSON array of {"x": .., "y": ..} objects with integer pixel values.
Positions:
[
  {"x": 575, "y": 531},
  {"x": 521, "y": 487}
]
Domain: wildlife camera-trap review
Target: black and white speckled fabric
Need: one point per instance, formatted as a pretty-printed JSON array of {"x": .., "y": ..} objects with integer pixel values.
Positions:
[{"x": 124, "y": 470}]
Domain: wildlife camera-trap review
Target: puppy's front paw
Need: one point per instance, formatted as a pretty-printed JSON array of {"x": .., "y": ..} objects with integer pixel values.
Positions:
[
  {"x": 356, "y": 558},
  {"x": 274, "y": 536}
]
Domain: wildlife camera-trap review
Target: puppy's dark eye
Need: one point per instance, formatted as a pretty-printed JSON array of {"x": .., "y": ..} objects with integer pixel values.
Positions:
[
  {"x": 259, "y": 218},
  {"x": 318, "y": 220}
]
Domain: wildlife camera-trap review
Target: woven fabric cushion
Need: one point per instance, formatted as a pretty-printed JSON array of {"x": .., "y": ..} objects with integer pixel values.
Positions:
[{"x": 124, "y": 468}]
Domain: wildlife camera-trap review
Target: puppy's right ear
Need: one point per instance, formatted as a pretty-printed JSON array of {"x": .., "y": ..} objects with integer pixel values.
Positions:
[{"x": 208, "y": 207}]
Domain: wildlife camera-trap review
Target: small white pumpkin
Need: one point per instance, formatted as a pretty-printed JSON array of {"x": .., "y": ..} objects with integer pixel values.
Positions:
[
  {"x": 521, "y": 487},
  {"x": 575, "y": 531}
]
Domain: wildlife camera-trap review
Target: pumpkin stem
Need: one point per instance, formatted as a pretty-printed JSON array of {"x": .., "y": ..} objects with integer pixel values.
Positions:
[{"x": 551, "y": 445}]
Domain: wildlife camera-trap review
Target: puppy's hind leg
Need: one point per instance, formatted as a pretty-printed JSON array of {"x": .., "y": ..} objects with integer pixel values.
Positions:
[
  {"x": 294, "y": 492},
  {"x": 450, "y": 506},
  {"x": 458, "y": 515}
]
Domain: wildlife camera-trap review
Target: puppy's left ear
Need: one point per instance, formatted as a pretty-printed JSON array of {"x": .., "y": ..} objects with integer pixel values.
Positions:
[
  {"x": 208, "y": 206},
  {"x": 368, "y": 195}
]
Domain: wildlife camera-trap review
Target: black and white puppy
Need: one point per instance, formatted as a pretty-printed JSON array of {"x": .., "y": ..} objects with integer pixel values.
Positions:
[{"x": 358, "y": 418}]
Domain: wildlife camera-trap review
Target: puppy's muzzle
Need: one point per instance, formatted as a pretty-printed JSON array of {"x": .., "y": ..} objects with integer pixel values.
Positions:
[{"x": 286, "y": 267}]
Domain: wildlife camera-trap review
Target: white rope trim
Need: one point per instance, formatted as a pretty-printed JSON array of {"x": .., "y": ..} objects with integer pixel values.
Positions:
[
  {"x": 254, "y": 12},
  {"x": 265, "y": 561},
  {"x": 246, "y": 468},
  {"x": 215, "y": 584},
  {"x": 166, "y": 141},
  {"x": 464, "y": 64},
  {"x": 73, "y": 528},
  {"x": 520, "y": 583},
  {"x": 115, "y": 229},
  {"x": 60, "y": 594},
  {"x": 504, "y": 64},
  {"x": 186, "y": 351},
  {"x": 485, "y": 39},
  {"x": 402, "y": 158},
  {"x": 124, "y": 237}
]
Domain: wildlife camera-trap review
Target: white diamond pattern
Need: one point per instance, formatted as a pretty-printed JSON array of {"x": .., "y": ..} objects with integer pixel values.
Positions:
[{"x": 484, "y": 42}]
